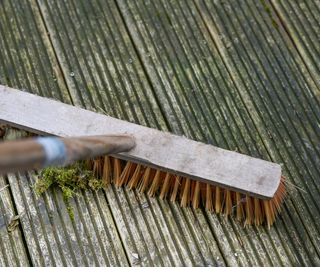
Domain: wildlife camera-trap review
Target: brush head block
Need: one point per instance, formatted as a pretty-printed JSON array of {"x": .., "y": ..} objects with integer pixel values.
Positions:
[{"x": 158, "y": 149}]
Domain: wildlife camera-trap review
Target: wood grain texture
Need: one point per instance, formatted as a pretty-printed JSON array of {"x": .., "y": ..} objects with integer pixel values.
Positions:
[
  {"x": 12, "y": 249},
  {"x": 162, "y": 150},
  {"x": 301, "y": 21}
]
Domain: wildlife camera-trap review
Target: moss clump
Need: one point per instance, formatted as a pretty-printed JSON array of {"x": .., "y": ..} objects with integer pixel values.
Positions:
[
  {"x": 70, "y": 212},
  {"x": 70, "y": 180}
]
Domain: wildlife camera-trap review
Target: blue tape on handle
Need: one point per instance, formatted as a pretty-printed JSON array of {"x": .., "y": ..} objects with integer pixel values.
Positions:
[{"x": 55, "y": 150}]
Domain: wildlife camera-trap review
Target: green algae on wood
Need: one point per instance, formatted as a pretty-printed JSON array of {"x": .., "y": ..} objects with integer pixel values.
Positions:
[{"x": 270, "y": 14}]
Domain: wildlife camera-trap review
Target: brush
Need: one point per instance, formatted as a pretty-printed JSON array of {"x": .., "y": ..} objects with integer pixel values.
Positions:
[{"x": 173, "y": 167}]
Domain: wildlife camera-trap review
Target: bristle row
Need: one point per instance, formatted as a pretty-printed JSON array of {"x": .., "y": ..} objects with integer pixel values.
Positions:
[{"x": 189, "y": 192}]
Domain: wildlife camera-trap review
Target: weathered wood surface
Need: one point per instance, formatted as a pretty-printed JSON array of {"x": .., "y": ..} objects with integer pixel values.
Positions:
[
  {"x": 301, "y": 21},
  {"x": 162, "y": 150},
  {"x": 12, "y": 249},
  {"x": 221, "y": 72}
]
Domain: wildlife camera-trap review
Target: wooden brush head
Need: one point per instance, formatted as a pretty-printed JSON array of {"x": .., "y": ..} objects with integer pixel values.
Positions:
[{"x": 164, "y": 151}]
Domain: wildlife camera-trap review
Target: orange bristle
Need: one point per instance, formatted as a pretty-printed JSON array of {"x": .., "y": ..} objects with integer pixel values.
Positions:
[
  {"x": 203, "y": 193},
  {"x": 257, "y": 212},
  {"x": 134, "y": 180},
  {"x": 249, "y": 211},
  {"x": 116, "y": 170},
  {"x": 145, "y": 180},
  {"x": 175, "y": 188},
  {"x": 196, "y": 195},
  {"x": 97, "y": 167},
  {"x": 228, "y": 203},
  {"x": 190, "y": 192},
  {"x": 165, "y": 186},
  {"x": 209, "y": 198},
  {"x": 155, "y": 184},
  {"x": 125, "y": 175},
  {"x": 239, "y": 206},
  {"x": 218, "y": 203},
  {"x": 107, "y": 171},
  {"x": 267, "y": 210},
  {"x": 186, "y": 195}
]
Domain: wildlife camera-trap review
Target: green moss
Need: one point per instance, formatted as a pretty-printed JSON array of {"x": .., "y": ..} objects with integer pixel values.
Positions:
[
  {"x": 43, "y": 184},
  {"x": 70, "y": 180},
  {"x": 70, "y": 212},
  {"x": 95, "y": 184},
  {"x": 265, "y": 6}
]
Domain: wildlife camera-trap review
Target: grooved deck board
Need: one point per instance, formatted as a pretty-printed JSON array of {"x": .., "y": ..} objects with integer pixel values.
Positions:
[
  {"x": 242, "y": 75},
  {"x": 302, "y": 23},
  {"x": 12, "y": 249}
]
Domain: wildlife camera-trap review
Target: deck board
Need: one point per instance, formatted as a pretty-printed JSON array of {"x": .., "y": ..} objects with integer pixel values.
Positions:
[
  {"x": 242, "y": 75},
  {"x": 301, "y": 22},
  {"x": 12, "y": 248}
]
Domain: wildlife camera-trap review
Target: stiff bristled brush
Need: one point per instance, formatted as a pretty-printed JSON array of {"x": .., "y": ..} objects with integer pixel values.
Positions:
[{"x": 154, "y": 162}]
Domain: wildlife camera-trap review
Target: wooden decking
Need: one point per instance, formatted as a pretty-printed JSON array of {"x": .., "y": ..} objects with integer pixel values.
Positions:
[{"x": 243, "y": 75}]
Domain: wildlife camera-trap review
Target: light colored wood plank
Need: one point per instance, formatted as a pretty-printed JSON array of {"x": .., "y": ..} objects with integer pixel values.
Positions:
[{"x": 160, "y": 149}]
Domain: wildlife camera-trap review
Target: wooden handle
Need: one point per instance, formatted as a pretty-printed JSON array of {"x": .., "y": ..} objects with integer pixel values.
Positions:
[
  {"x": 21, "y": 155},
  {"x": 36, "y": 153},
  {"x": 93, "y": 146}
]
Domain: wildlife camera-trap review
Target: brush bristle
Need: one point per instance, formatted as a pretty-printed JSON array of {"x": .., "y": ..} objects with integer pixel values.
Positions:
[{"x": 189, "y": 192}]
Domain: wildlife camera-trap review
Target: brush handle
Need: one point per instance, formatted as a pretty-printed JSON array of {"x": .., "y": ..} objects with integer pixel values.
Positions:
[{"x": 36, "y": 153}]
